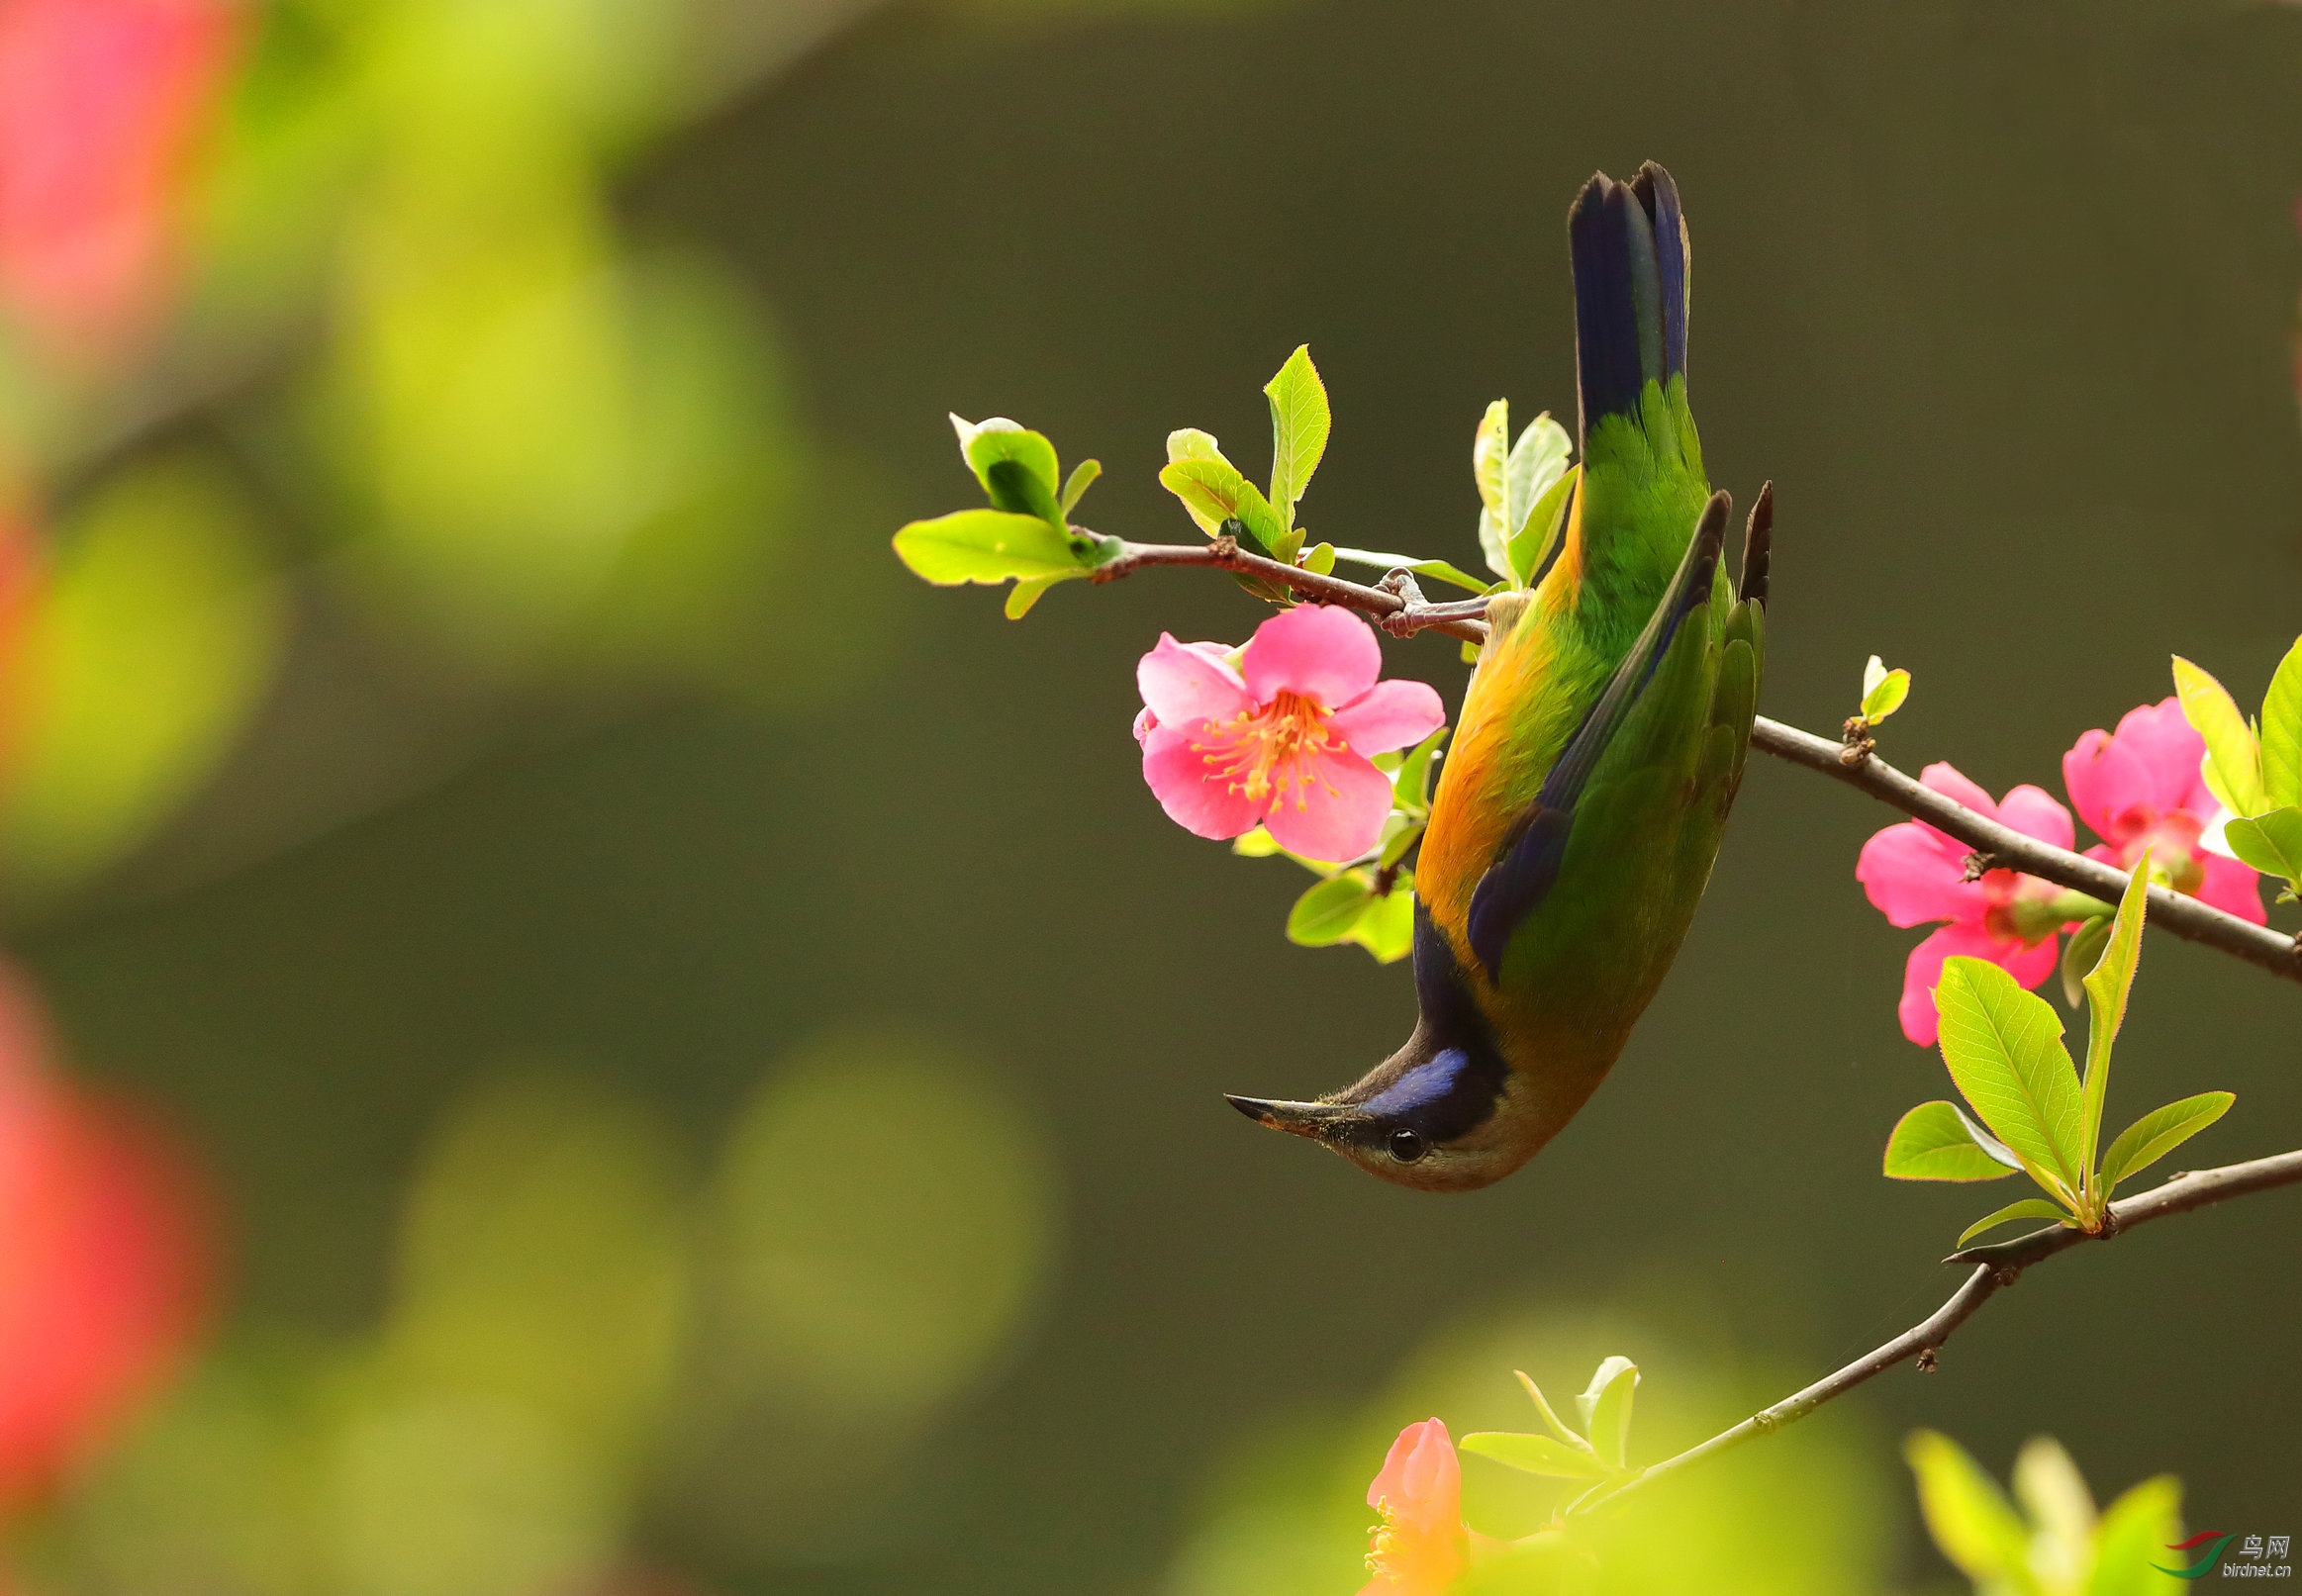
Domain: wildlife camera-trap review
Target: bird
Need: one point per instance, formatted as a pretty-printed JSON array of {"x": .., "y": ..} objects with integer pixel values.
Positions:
[{"x": 1600, "y": 747}]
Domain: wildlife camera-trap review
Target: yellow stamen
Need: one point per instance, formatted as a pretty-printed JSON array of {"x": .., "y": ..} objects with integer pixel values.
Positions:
[{"x": 1263, "y": 753}]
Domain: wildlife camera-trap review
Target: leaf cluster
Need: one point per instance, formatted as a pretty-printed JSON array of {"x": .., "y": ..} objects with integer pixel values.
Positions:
[
  {"x": 2037, "y": 1115},
  {"x": 1598, "y": 1453},
  {"x": 2064, "y": 1549},
  {"x": 1025, "y": 536},
  {"x": 2253, "y": 767}
]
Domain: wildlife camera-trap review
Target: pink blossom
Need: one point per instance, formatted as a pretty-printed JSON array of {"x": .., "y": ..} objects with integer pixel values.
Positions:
[
  {"x": 1421, "y": 1546},
  {"x": 1278, "y": 733},
  {"x": 1915, "y": 874},
  {"x": 103, "y": 1259},
  {"x": 2140, "y": 787},
  {"x": 101, "y": 103}
]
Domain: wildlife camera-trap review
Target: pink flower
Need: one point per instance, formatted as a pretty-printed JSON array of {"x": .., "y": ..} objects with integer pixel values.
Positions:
[
  {"x": 1915, "y": 874},
  {"x": 2140, "y": 787},
  {"x": 1420, "y": 1547},
  {"x": 1280, "y": 737},
  {"x": 101, "y": 102},
  {"x": 102, "y": 1261}
]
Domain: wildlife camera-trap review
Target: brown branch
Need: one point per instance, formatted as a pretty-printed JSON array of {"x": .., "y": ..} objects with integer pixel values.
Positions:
[
  {"x": 1399, "y": 616},
  {"x": 2007, "y": 848},
  {"x": 1996, "y": 1267},
  {"x": 2185, "y": 917}
]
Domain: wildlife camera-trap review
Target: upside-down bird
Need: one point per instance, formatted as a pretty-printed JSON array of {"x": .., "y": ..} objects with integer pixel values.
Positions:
[{"x": 1599, "y": 746}]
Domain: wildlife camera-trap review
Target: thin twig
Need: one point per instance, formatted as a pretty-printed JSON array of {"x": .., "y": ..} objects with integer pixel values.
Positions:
[
  {"x": 2186, "y": 917},
  {"x": 1996, "y": 1267},
  {"x": 1399, "y": 616}
]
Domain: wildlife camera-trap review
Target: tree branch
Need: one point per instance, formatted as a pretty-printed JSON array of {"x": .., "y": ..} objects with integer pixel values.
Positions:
[
  {"x": 1996, "y": 1267},
  {"x": 2186, "y": 917},
  {"x": 1402, "y": 617}
]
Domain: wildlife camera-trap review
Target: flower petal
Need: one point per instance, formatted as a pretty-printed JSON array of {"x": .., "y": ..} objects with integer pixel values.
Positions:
[
  {"x": 2035, "y": 812},
  {"x": 2029, "y": 966},
  {"x": 1328, "y": 655},
  {"x": 1420, "y": 1474},
  {"x": 1203, "y": 803},
  {"x": 1390, "y": 714},
  {"x": 1184, "y": 684},
  {"x": 1923, "y": 972},
  {"x": 1335, "y": 810},
  {"x": 2104, "y": 780},
  {"x": 1945, "y": 778},
  {"x": 1911, "y": 876},
  {"x": 2163, "y": 742},
  {"x": 2232, "y": 888}
]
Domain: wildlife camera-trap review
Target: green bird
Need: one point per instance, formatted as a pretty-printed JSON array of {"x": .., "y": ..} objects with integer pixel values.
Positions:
[{"x": 1600, "y": 747}]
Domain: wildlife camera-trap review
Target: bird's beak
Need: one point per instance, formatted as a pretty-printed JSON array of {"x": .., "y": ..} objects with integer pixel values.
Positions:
[{"x": 1296, "y": 1119}]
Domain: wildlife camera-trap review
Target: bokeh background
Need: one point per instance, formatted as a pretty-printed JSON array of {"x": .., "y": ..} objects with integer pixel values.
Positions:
[{"x": 575, "y": 1030}]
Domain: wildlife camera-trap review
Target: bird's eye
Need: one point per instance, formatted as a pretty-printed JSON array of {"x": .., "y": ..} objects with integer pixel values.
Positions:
[{"x": 1406, "y": 1145}]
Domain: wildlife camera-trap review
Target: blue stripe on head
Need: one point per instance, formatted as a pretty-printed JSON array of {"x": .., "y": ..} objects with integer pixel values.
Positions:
[{"x": 1420, "y": 1086}]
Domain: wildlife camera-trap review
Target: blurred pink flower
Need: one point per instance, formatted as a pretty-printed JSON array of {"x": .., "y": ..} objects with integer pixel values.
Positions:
[
  {"x": 1282, "y": 737},
  {"x": 104, "y": 1260},
  {"x": 1915, "y": 874},
  {"x": 1420, "y": 1547},
  {"x": 2140, "y": 787},
  {"x": 101, "y": 104}
]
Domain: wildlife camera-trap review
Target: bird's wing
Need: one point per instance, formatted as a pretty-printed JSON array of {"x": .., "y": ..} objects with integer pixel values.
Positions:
[{"x": 1526, "y": 866}]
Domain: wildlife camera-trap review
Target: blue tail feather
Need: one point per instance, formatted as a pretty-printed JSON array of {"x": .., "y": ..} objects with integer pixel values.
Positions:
[{"x": 1628, "y": 242}]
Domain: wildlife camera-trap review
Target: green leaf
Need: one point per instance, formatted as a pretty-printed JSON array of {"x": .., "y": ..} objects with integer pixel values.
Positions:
[
  {"x": 1029, "y": 480},
  {"x": 1607, "y": 1409},
  {"x": 141, "y": 659},
  {"x": 2282, "y": 733},
  {"x": 2061, "y": 1510},
  {"x": 1534, "y": 1455},
  {"x": 1537, "y": 463},
  {"x": 2080, "y": 954},
  {"x": 1326, "y": 914},
  {"x": 1411, "y": 786},
  {"x": 984, "y": 546},
  {"x": 1489, "y": 465},
  {"x": 2106, "y": 993},
  {"x": 2134, "y": 1535},
  {"x": 2158, "y": 1131},
  {"x": 1386, "y": 928},
  {"x": 2234, "y": 759},
  {"x": 1930, "y": 1143},
  {"x": 1400, "y": 835},
  {"x": 1082, "y": 478},
  {"x": 2271, "y": 843},
  {"x": 1214, "y": 492},
  {"x": 1256, "y": 844},
  {"x": 2027, "y": 1208},
  {"x": 1551, "y": 1420},
  {"x": 1884, "y": 691},
  {"x": 1298, "y": 432},
  {"x": 1438, "y": 569},
  {"x": 1971, "y": 1519},
  {"x": 1545, "y": 524},
  {"x": 2004, "y": 1049},
  {"x": 1025, "y": 593},
  {"x": 1321, "y": 558}
]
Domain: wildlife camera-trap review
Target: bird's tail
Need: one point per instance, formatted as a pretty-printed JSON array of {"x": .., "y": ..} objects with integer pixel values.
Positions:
[{"x": 1631, "y": 270}]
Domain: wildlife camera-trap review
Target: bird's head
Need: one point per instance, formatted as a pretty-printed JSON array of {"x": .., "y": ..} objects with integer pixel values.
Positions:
[{"x": 1430, "y": 1117}]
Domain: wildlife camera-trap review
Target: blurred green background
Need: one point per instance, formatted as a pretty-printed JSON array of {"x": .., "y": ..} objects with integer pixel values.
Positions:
[{"x": 708, "y": 1050}]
